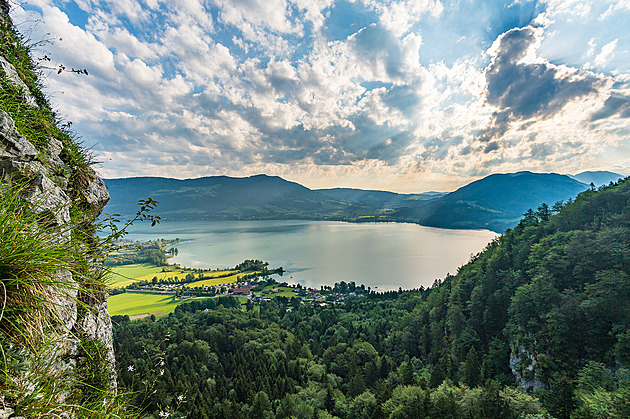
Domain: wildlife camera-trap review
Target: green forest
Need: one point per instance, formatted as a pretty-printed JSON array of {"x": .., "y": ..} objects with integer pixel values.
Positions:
[{"x": 535, "y": 326}]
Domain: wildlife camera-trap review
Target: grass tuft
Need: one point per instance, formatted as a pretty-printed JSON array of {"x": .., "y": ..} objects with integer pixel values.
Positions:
[{"x": 31, "y": 259}]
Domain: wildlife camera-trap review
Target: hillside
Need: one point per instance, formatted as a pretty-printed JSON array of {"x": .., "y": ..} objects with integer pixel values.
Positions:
[
  {"x": 380, "y": 199},
  {"x": 535, "y": 326},
  {"x": 495, "y": 202},
  {"x": 228, "y": 198},
  {"x": 598, "y": 178}
]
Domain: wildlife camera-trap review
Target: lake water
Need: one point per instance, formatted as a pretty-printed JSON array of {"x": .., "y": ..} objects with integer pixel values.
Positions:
[{"x": 384, "y": 256}]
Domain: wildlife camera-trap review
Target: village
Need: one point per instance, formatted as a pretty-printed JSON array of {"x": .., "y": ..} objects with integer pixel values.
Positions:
[{"x": 257, "y": 291}]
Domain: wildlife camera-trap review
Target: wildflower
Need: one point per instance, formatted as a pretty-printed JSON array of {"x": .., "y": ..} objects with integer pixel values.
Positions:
[
  {"x": 130, "y": 368},
  {"x": 161, "y": 372},
  {"x": 163, "y": 414},
  {"x": 180, "y": 398}
]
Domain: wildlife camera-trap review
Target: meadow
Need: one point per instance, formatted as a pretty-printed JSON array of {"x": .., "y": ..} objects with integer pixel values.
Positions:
[
  {"x": 137, "y": 303},
  {"x": 133, "y": 303},
  {"x": 122, "y": 275}
]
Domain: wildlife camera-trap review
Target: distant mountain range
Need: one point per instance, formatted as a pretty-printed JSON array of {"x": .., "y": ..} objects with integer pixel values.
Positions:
[
  {"x": 226, "y": 198},
  {"x": 496, "y": 202},
  {"x": 599, "y": 178},
  {"x": 380, "y": 199}
]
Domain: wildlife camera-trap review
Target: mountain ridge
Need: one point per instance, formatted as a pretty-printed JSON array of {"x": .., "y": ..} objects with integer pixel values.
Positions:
[
  {"x": 495, "y": 202},
  {"x": 597, "y": 177}
]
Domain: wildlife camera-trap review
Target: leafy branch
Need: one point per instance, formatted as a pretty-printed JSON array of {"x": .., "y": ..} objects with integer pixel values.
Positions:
[{"x": 112, "y": 223}]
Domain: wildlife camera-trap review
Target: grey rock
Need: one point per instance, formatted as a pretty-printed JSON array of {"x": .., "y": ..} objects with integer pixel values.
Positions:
[
  {"x": 523, "y": 366},
  {"x": 98, "y": 325},
  {"x": 55, "y": 147},
  {"x": 18, "y": 159},
  {"x": 97, "y": 195},
  {"x": 12, "y": 75},
  {"x": 64, "y": 300},
  {"x": 48, "y": 197},
  {"x": 14, "y": 145}
]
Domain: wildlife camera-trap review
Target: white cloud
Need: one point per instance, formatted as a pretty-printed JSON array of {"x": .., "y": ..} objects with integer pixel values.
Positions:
[
  {"x": 262, "y": 88},
  {"x": 606, "y": 53}
]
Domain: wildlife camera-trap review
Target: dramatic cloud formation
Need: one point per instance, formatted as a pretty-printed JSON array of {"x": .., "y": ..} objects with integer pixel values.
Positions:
[
  {"x": 522, "y": 86},
  {"x": 407, "y": 95}
]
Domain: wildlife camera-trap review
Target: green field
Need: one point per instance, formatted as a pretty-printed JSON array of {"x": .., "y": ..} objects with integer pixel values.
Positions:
[
  {"x": 282, "y": 291},
  {"x": 122, "y": 275},
  {"x": 132, "y": 303}
]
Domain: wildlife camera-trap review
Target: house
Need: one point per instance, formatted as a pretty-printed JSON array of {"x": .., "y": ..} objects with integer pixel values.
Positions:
[{"x": 240, "y": 291}]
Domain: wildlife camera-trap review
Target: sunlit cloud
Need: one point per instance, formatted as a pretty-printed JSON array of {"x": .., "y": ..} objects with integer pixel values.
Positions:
[{"x": 408, "y": 95}]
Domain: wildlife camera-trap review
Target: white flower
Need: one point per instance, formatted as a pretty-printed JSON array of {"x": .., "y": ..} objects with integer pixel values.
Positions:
[
  {"x": 130, "y": 368},
  {"x": 180, "y": 398},
  {"x": 161, "y": 372},
  {"x": 161, "y": 363},
  {"x": 164, "y": 414}
]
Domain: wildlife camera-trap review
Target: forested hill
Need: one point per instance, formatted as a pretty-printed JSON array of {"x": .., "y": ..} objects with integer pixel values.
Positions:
[
  {"x": 496, "y": 202},
  {"x": 598, "y": 178},
  {"x": 545, "y": 308},
  {"x": 381, "y": 199},
  {"x": 223, "y": 197}
]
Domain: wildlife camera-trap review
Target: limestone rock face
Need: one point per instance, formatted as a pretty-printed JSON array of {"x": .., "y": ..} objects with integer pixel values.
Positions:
[
  {"x": 96, "y": 195},
  {"x": 98, "y": 325},
  {"x": 14, "y": 146},
  {"x": 45, "y": 179},
  {"x": 12, "y": 75},
  {"x": 53, "y": 183},
  {"x": 523, "y": 366}
]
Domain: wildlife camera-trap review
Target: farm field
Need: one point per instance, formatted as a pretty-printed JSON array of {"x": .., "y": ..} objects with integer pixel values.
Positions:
[
  {"x": 123, "y": 275},
  {"x": 132, "y": 303},
  {"x": 282, "y": 291},
  {"x": 135, "y": 303}
]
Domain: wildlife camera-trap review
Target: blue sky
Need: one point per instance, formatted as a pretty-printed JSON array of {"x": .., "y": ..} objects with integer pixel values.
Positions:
[{"x": 403, "y": 95}]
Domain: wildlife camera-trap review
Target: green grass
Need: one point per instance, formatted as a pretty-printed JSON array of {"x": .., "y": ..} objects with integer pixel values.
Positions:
[
  {"x": 282, "y": 291},
  {"x": 30, "y": 258},
  {"x": 123, "y": 275},
  {"x": 132, "y": 303}
]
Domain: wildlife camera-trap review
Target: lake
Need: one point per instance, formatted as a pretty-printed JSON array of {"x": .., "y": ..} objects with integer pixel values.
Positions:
[{"x": 384, "y": 256}]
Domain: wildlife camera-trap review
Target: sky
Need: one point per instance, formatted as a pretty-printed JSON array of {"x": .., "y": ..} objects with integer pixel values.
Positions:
[{"x": 401, "y": 95}]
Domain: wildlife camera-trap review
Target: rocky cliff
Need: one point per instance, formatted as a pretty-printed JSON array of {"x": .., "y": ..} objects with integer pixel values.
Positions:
[{"x": 66, "y": 332}]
